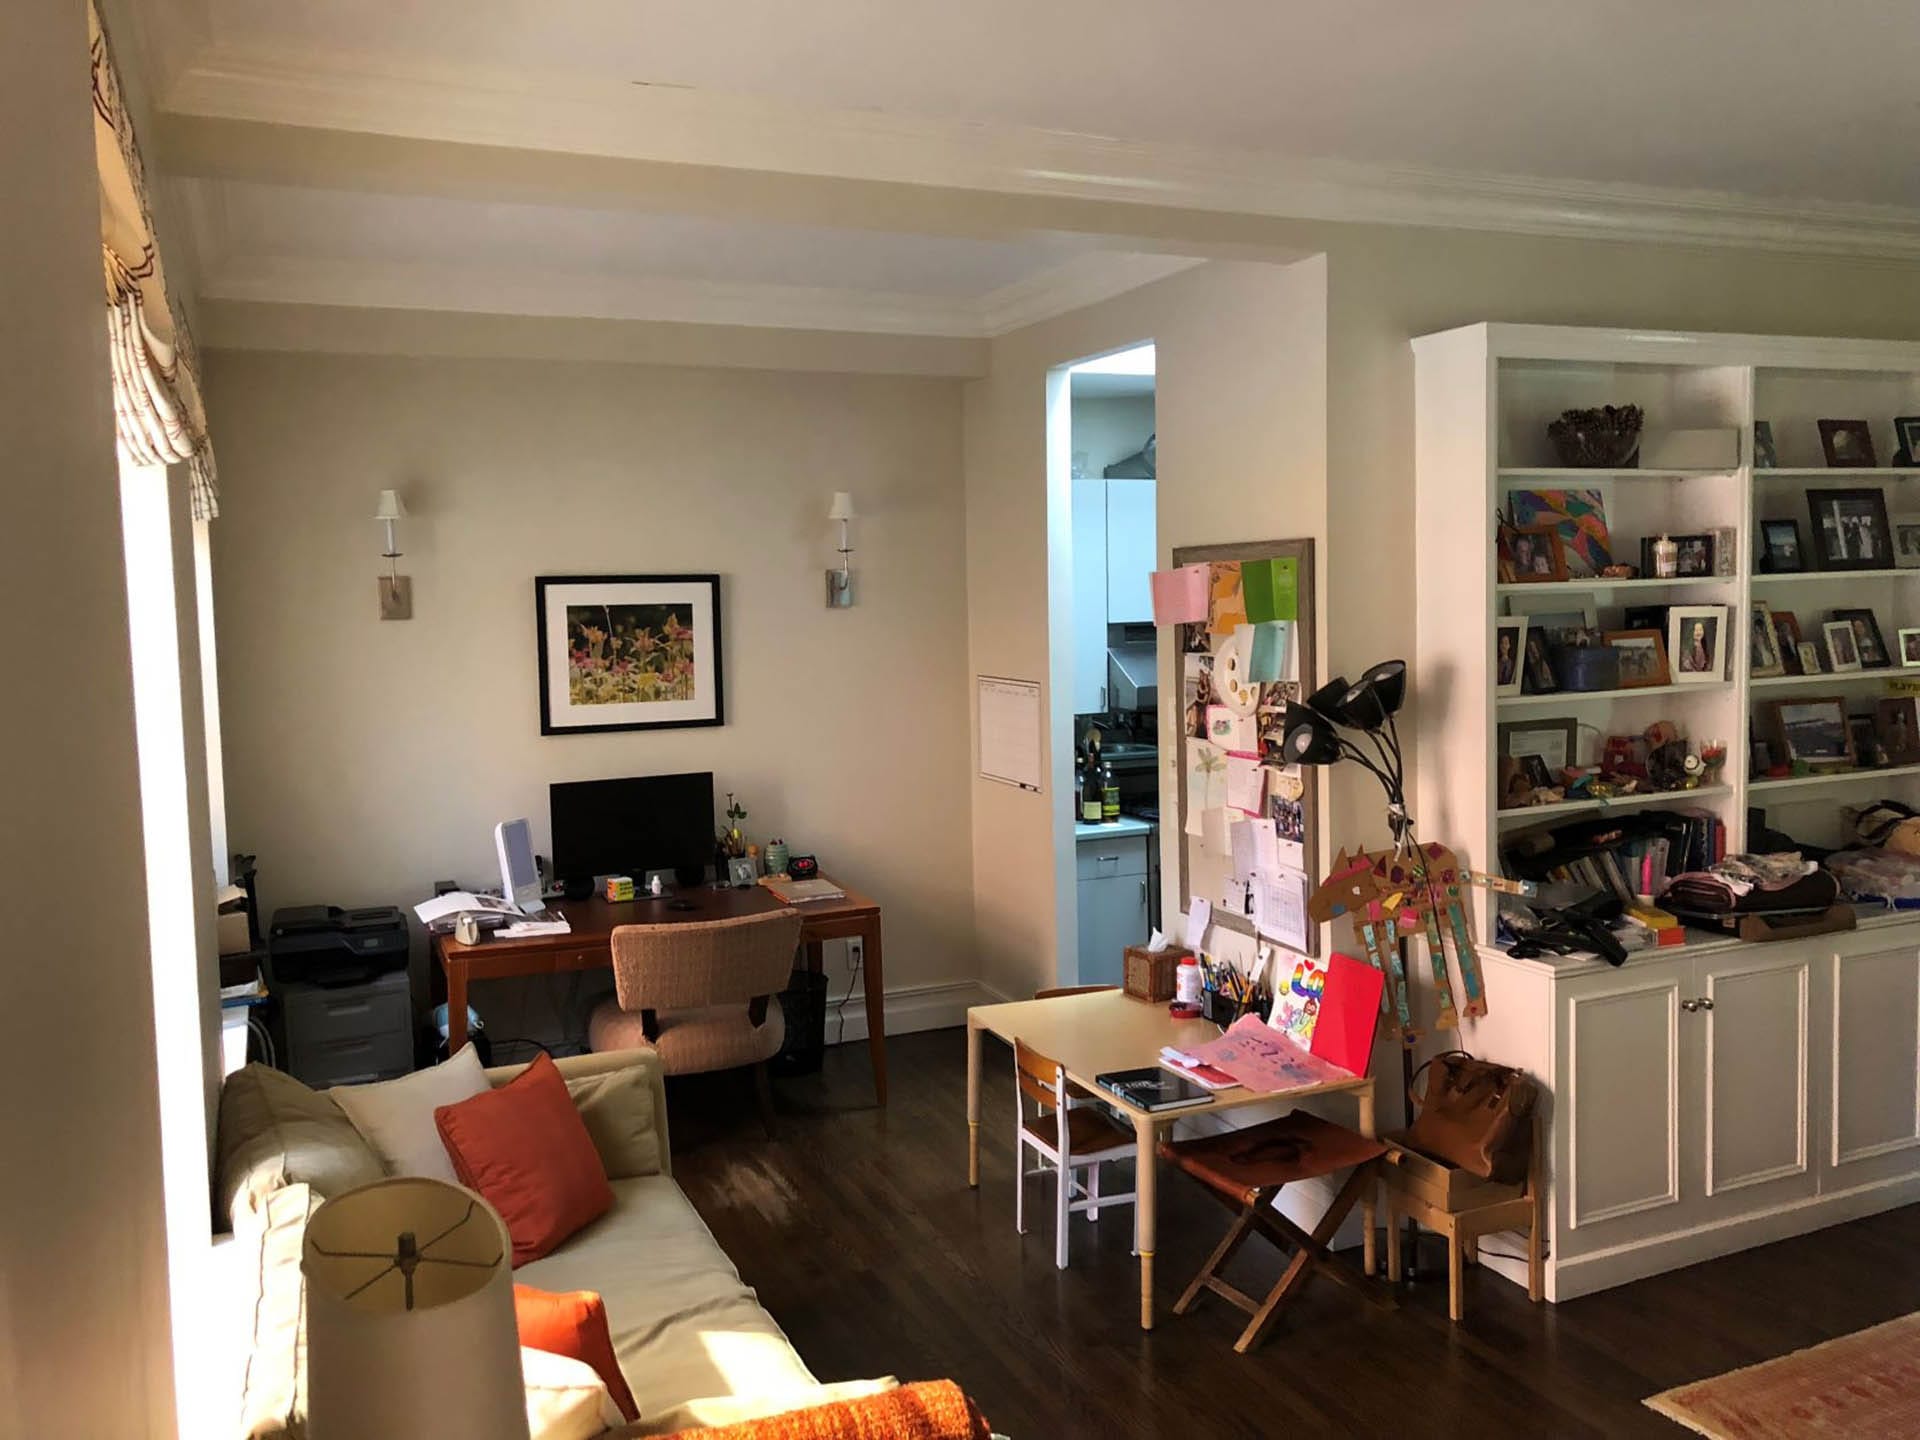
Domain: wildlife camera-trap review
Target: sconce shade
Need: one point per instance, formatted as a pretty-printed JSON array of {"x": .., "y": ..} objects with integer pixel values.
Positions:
[
  {"x": 1389, "y": 682},
  {"x": 391, "y": 507},
  {"x": 842, "y": 506},
  {"x": 1312, "y": 742}
]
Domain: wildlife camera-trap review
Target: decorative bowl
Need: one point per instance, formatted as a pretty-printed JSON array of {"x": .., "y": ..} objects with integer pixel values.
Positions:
[{"x": 1604, "y": 439}]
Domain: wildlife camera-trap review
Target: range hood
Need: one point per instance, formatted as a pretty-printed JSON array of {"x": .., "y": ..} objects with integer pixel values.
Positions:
[{"x": 1133, "y": 676}]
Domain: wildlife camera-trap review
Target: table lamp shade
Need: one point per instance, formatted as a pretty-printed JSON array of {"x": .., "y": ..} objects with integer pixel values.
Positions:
[
  {"x": 842, "y": 507},
  {"x": 449, "y": 1365},
  {"x": 391, "y": 506}
]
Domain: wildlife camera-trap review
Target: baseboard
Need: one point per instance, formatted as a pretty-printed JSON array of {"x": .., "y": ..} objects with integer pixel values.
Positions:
[
  {"x": 1602, "y": 1269},
  {"x": 937, "y": 1005}
]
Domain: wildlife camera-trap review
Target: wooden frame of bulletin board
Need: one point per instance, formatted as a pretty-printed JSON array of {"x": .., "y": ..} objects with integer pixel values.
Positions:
[{"x": 1203, "y": 871}]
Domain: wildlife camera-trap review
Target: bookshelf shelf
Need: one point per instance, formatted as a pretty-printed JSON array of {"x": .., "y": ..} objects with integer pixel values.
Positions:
[
  {"x": 1828, "y": 678},
  {"x": 1810, "y": 577},
  {"x": 1576, "y": 477},
  {"x": 1552, "y": 587},
  {"x": 1638, "y": 692},
  {"x": 1835, "y": 777},
  {"x": 1840, "y": 472},
  {"x": 1618, "y": 805}
]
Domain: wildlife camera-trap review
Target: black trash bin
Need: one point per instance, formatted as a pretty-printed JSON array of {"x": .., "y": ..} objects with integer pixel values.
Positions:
[{"x": 804, "y": 1002}]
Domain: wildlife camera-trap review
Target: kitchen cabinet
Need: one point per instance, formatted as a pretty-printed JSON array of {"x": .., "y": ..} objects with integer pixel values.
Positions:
[
  {"x": 1089, "y": 596},
  {"x": 1111, "y": 900},
  {"x": 1131, "y": 550}
]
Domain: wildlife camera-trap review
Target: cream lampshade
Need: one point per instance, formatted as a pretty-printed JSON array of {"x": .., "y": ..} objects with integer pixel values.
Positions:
[
  {"x": 842, "y": 506},
  {"x": 410, "y": 1324},
  {"x": 840, "y": 581}
]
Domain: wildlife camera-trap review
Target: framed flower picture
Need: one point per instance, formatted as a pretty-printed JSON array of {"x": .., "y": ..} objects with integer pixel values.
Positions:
[{"x": 628, "y": 652}]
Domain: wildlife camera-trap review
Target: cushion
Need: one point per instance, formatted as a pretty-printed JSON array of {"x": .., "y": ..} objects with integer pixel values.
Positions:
[
  {"x": 615, "y": 1095},
  {"x": 565, "y": 1399},
  {"x": 929, "y": 1410},
  {"x": 573, "y": 1323},
  {"x": 276, "y": 1132},
  {"x": 525, "y": 1148},
  {"x": 274, "y": 1396},
  {"x": 396, "y": 1116},
  {"x": 692, "y": 1042}
]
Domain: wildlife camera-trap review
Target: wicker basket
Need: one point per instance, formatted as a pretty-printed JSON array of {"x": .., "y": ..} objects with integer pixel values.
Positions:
[{"x": 1149, "y": 973}]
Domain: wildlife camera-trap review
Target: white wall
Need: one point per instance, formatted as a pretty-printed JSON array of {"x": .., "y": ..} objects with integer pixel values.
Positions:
[
  {"x": 84, "y": 1345},
  {"x": 367, "y": 759}
]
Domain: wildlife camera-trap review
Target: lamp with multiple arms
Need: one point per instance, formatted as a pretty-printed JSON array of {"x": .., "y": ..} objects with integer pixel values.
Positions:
[{"x": 1314, "y": 734}]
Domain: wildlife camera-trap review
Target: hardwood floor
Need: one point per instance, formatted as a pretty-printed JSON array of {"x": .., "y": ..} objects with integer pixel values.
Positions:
[{"x": 865, "y": 1243}]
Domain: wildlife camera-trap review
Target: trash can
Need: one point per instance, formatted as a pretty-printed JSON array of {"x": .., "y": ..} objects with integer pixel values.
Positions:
[{"x": 804, "y": 1002}]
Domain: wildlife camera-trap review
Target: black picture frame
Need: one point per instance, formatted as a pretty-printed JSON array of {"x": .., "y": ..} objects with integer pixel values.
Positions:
[
  {"x": 1848, "y": 444},
  {"x": 1765, "y": 457},
  {"x": 1782, "y": 551},
  {"x": 1841, "y": 544},
  {"x": 1867, "y": 640},
  {"x": 639, "y": 593},
  {"x": 1906, "y": 431},
  {"x": 1564, "y": 728}
]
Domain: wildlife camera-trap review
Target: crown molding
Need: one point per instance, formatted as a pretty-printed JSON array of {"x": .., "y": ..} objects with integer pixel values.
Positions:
[{"x": 605, "y": 119}]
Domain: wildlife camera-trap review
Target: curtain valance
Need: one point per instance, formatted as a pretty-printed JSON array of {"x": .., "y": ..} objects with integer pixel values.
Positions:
[{"x": 156, "y": 374}]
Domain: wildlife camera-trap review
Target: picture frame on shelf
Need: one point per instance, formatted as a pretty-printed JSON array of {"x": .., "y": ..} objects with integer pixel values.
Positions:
[
  {"x": 1556, "y": 612},
  {"x": 1553, "y": 738},
  {"x": 1848, "y": 444},
  {"x": 1780, "y": 550},
  {"x": 1867, "y": 640},
  {"x": 1765, "y": 457},
  {"x": 1810, "y": 730},
  {"x": 1910, "y": 647},
  {"x": 1850, "y": 530},
  {"x": 1696, "y": 643},
  {"x": 1906, "y": 431},
  {"x": 1509, "y": 654},
  {"x": 1868, "y": 752},
  {"x": 1786, "y": 635},
  {"x": 1764, "y": 657},
  {"x": 1643, "y": 658},
  {"x": 1578, "y": 517},
  {"x": 1645, "y": 617},
  {"x": 1694, "y": 555},
  {"x": 1810, "y": 661},
  {"x": 1896, "y": 725},
  {"x": 1906, "y": 539},
  {"x": 1536, "y": 664},
  {"x": 1843, "y": 651},
  {"x": 1532, "y": 555}
]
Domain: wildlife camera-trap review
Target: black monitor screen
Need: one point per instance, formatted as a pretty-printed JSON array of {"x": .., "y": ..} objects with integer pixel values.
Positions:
[{"x": 631, "y": 826}]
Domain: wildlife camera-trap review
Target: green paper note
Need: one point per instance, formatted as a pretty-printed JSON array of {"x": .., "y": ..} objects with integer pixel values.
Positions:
[{"x": 1272, "y": 589}]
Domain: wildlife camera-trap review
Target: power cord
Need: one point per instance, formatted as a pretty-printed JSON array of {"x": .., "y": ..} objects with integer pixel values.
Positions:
[{"x": 840, "y": 1010}]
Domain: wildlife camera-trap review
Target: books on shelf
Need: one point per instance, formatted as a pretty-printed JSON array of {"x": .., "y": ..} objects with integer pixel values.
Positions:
[{"x": 1628, "y": 856}]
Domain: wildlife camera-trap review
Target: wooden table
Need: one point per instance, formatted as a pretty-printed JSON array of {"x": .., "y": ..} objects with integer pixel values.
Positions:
[
  {"x": 590, "y": 947},
  {"x": 1108, "y": 1030}
]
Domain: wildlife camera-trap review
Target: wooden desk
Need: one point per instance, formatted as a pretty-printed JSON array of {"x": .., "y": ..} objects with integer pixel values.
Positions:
[
  {"x": 1091, "y": 1034},
  {"x": 590, "y": 947}
]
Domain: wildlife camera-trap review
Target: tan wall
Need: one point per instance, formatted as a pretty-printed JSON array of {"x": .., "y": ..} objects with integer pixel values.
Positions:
[
  {"x": 83, "y": 1282},
  {"x": 1240, "y": 407},
  {"x": 367, "y": 759}
]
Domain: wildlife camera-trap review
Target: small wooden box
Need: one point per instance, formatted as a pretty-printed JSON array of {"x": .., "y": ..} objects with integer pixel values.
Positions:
[
  {"x": 1445, "y": 1187},
  {"x": 1149, "y": 973}
]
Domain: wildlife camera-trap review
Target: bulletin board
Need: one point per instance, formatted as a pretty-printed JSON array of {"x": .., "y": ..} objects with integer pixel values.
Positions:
[{"x": 1206, "y": 865}]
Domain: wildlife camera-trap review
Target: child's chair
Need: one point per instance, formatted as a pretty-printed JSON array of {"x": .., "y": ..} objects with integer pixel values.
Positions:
[{"x": 1076, "y": 1135}]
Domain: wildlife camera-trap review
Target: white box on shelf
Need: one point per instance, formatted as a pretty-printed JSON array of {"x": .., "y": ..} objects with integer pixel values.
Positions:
[{"x": 1700, "y": 449}]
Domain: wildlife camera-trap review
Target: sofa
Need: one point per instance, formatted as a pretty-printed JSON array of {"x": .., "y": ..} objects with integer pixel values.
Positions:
[{"x": 691, "y": 1339}]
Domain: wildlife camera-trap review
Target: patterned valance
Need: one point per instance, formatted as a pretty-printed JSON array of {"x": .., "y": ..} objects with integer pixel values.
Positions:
[{"x": 156, "y": 373}]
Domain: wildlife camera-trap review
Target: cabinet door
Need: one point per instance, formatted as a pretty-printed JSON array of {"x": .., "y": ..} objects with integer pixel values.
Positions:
[
  {"x": 1624, "y": 1094},
  {"x": 1131, "y": 548},
  {"x": 1755, "y": 1016},
  {"x": 1113, "y": 915},
  {"x": 1089, "y": 596},
  {"x": 1875, "y": 1096}
]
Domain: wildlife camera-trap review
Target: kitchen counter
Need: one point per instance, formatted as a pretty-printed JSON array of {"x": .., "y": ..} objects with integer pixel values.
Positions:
[{"x": 1125, "y": 825}]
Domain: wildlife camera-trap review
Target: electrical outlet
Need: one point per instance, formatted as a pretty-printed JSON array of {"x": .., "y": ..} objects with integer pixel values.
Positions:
[{"x": 856, "y": 953}]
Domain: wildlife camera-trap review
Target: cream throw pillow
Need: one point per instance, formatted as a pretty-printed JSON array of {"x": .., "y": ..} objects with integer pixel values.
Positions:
[
  {"x": 396, "y": 1116},
  {"x": 566, "y": 1400}
]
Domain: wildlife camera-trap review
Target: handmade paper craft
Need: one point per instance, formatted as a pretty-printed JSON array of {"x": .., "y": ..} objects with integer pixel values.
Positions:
[
  {"x": 1206, "y": 782},
  {"x": 1280, "y": 907},
  {"x": 1246, "y": 785},
  {"x": 1270, "y": 589},
  {"x": 1180, "y": 595},
  {"x": 1226, "y": 606},
  {"x": 1231, "y": 731},
  {"x": 1298, "y": 984},
  {"x": 1269, "y": 653}
]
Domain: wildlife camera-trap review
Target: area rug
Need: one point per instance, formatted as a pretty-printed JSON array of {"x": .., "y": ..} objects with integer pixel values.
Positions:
[{"x": 1863, "y": 1386}]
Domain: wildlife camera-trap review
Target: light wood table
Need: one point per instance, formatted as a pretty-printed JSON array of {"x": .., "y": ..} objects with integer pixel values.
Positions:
[{"x": 1107, "y": 1030}]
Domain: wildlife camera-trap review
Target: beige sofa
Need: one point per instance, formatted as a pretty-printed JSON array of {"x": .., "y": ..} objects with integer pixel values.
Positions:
[{"x": 691, "y": 1338}]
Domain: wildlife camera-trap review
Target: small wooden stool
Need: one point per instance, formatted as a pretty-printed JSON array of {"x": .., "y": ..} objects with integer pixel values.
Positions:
[
  {"x": 1463, "y": 1207},
  {"x": 1246, "y": 1169}
]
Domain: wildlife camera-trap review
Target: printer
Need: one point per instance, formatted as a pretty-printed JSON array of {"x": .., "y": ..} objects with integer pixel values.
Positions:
[{"x": 326, "y": 945}]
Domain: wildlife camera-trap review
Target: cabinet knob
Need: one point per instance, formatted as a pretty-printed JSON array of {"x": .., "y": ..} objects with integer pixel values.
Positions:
[
  {"x": 1706, "y": 1002},
  {"x": 1690, "y": 1006}
]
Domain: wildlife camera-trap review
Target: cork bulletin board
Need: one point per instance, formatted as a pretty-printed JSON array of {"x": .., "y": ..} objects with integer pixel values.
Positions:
[{"x": 1224, "y": 716}]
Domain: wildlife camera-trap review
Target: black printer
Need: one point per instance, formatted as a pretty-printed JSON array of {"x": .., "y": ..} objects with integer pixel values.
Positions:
[{"x": 325, "y": 945}]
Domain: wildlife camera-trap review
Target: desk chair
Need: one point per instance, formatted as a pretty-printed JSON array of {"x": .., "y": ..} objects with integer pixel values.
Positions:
[
  {"x": 1074, "y": 1137},
  {"x": 699, "y": 994},
  {"x": 1246, "y": 1169}
]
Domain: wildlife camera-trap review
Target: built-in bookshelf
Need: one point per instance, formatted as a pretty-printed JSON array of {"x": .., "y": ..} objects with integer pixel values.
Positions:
[{"x": 1484, "y": 397}]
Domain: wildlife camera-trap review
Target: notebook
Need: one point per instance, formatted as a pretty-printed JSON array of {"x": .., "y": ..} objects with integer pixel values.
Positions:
[{"x": 1152, "y": 1088}]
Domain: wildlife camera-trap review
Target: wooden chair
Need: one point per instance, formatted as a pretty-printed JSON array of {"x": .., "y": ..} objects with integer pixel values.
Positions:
[
  {"x": 1463, "y": 1207},
  {"x": 700, "y": 995},
  {"x": 1073, "y": 1137},
  {"x": 1077, "y": 1094},
  {"x": 1246, "y": 1169}
]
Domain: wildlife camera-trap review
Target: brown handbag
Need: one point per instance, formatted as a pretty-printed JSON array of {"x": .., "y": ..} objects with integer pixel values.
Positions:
[{"x": 1476, "y": 1115}]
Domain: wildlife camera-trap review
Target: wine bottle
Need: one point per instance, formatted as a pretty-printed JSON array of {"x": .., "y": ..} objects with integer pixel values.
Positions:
[
  {"x": 1090, "y": 797},
  {"x": 1109, "y": 793}
]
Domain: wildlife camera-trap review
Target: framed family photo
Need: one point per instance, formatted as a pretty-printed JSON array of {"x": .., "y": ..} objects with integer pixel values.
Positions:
[
  {"x": 1850, "y": 530},
  {"x": 1696, "y": 643},
  {"x": 628, "y": 652},
  {"x": 1509, "y": 650}
]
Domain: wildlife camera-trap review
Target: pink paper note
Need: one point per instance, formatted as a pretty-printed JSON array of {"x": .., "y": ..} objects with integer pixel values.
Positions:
[
  {"x": 1263, "y": 1059},
  {"x": 1180, "y": 596}
]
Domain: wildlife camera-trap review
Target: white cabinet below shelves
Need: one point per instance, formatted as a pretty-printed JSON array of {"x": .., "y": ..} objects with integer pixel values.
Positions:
[{"x": 1111, "y": 896}]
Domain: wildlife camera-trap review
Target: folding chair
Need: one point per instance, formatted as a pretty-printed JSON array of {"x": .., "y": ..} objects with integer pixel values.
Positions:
[{"x": 1246, "y": 1169}]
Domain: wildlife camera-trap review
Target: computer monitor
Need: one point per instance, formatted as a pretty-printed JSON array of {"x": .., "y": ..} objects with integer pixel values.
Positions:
[
  {"x": 632, "y": 825},
  {"x": 519, "y": 876}
]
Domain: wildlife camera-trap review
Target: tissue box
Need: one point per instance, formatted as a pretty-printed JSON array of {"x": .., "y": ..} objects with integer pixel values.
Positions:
[{"x": 1149, "y": 973}]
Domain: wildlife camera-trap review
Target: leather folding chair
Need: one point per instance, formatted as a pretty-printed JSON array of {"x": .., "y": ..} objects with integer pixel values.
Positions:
[{"x": 1246, "y": 1169}]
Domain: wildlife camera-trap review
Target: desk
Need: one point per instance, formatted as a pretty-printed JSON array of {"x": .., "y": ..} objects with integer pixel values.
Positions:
[
  {"x": 1109, "y": 1030},
  {"x": 590, "y": 947}
]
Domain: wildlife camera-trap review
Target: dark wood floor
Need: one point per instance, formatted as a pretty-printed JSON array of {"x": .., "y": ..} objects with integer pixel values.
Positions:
[{"x": 865, "y": 1243}]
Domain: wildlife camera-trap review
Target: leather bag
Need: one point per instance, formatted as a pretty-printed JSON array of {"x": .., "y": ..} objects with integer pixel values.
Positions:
[{"x": 1475, "y": 1115}]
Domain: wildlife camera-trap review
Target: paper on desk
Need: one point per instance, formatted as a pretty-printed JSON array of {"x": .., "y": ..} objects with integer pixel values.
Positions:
[
  {"x": 1280, "y": 907},
  {"x": 1263, "y": 1059},
  {"x": 455, "y": 902},
  {"x": 1246, "y": 784}
]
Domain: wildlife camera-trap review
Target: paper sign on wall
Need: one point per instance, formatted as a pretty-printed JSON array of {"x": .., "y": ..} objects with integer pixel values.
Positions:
[
  {"x": 1180, "y": 595},
  {"x": 1270, "y": 589},
  {"x": 1246, "y": 785},
  {"x": 1280, "y": 907}
]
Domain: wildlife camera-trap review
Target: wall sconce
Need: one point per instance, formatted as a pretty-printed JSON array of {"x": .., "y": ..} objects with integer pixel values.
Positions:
[
  {"x": 396, "y": 590},
  {"x": 840, "y": 582}
]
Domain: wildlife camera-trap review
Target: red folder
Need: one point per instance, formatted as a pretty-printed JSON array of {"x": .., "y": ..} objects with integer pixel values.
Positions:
[{"x": 1349, "y": 1013}]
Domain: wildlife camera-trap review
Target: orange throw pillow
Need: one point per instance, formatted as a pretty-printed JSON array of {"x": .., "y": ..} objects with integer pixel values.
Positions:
[
  {"x": 573, "y": 1323},
  {"x": 526, "y": 1150}
]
